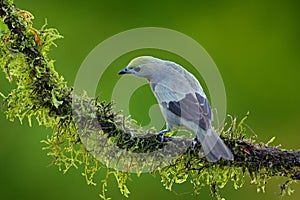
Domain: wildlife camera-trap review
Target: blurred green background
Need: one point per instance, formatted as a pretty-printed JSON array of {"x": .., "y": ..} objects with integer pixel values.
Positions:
[{"x": 255, "y": 45}]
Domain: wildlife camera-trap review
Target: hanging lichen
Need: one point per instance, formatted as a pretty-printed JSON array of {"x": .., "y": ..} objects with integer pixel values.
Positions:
[{"x": 87, "y": 132}]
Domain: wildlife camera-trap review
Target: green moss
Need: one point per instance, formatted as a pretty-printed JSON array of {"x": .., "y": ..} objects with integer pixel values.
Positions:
[{"x": 42, "y": 94}]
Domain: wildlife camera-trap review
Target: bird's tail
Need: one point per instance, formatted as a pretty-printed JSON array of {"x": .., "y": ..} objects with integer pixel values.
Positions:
[{"x": 212, "y": 145}]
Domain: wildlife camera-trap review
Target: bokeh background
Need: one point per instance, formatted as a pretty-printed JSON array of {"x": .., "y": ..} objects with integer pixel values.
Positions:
[{"x": 255, "y": 45}]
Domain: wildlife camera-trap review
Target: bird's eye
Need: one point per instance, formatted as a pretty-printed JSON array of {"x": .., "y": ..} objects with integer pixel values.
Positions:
[{"x": 137, "y": 69}]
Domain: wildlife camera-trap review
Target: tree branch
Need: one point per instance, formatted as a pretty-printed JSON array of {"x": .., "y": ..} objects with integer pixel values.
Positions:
[{"x": 43, "y": 94}]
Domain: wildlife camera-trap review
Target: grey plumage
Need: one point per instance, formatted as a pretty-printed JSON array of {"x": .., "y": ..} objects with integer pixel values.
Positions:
[{"x": 182, "y": 101}]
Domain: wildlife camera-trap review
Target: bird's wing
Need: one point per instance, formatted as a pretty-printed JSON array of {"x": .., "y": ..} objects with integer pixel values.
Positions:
[{"x": 189, "y": 106}]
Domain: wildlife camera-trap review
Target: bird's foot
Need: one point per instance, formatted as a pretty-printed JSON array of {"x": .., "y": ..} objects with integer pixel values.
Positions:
[
  {"x": 161, "y": 135},
  {"x": 194, "y": 142}
]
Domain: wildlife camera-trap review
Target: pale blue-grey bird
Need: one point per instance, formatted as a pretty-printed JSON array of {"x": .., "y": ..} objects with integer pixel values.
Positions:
[{"x": 182, "y": 102}]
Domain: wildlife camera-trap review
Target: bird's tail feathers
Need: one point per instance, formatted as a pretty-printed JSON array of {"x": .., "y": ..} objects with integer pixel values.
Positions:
[{"x": 212, "y": 145}]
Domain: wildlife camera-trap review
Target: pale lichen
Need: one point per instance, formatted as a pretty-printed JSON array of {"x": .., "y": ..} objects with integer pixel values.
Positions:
[{"x": 41, "y": 93}]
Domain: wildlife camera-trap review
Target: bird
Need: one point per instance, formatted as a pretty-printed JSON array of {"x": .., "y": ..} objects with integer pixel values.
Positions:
[{"x": 182, "y": 102}]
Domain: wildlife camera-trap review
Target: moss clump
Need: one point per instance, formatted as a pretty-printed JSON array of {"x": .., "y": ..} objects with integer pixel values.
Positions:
[{"x": 89, "y": 133}]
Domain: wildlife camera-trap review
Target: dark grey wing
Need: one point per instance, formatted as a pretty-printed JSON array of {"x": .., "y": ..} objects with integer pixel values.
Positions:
[
  {"x": 204, "y": 104},
  {"x": 191, "y": 107}
]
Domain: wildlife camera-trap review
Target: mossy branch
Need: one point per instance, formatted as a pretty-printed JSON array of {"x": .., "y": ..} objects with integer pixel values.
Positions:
[{"x": 43, "y": 94}]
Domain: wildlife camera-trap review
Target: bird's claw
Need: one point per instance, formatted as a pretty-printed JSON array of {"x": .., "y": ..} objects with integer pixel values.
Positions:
[
  {"x": 194, "y": 142},
  {"x": 161, "y": 134}
]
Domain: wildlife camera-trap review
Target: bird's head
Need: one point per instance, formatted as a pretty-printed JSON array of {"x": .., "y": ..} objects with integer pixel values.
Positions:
[{"x": 143, "y": 66}]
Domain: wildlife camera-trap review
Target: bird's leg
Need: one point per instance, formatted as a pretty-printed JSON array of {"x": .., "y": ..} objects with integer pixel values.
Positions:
[
  {"x": 161, "y": 134},
  {"x": 194, "y": 142}
]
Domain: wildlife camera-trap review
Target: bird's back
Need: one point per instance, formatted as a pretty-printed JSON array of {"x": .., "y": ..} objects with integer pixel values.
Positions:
[{"x": 188, "y": 78}]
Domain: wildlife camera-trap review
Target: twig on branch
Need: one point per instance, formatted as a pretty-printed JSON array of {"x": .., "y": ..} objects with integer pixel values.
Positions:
[{"x": 83, "y": 126}]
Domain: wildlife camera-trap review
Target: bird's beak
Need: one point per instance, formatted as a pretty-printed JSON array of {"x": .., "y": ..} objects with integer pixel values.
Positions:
[{"x": 125, "y": 71}]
